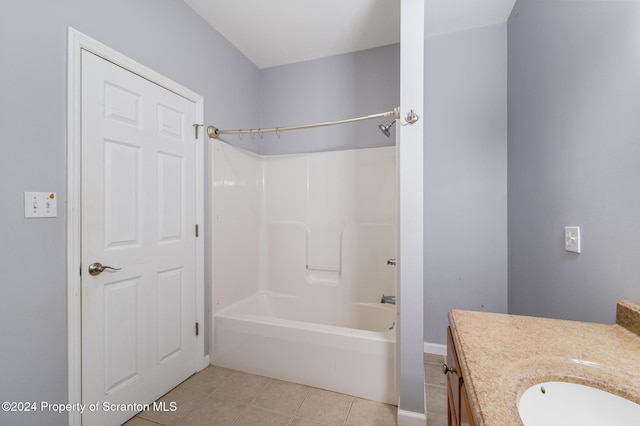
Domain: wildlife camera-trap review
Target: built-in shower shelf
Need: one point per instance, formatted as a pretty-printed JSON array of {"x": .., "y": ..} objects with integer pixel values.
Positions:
[{"x": 328, "y": 275}]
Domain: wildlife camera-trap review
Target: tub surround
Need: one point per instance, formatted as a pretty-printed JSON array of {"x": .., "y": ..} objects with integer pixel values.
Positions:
[
  {"x": 316, "y": 225},
  {"x": 502, "y": 355},
  {"x": 300, "y": 262}
]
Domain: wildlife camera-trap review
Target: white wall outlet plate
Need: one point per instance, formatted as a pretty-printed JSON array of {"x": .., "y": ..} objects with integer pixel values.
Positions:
[
  {"x": 572, "y": 239},
  {"x": 40, "y": 204}
]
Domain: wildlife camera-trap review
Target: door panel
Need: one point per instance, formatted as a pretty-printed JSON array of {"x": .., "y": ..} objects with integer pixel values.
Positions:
[
  {"x": 170, "y": 189},
  {"x": 170, "y": 285},
  {"x": 121, "y": 333},
  {"x": 121, "y": 194},
  {"x": 138, "y": 214}
]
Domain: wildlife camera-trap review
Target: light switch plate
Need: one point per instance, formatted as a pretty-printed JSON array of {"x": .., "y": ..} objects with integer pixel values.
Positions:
[
  {"x": 40, "y": 204},
  {"x": 572, "y": 239}
]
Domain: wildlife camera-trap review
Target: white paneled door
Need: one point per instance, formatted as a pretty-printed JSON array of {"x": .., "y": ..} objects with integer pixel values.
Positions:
[{"x": 138, "y": 217}]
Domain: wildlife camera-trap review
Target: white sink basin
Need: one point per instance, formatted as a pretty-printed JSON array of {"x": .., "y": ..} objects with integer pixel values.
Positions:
[{"x": 563, "y": 403}]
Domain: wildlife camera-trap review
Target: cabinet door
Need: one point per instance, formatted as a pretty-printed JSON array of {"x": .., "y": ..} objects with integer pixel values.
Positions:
[
  {"x": 452, "y": 419},
  {"x": 453, "y": 378},
  {"x": 466, "y": 418}
]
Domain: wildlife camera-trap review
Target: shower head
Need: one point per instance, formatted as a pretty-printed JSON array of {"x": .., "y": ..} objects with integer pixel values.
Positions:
[{"x": 386, "y": 129}]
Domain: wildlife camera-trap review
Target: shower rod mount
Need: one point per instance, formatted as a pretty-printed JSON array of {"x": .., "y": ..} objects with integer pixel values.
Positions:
[
  {"x": 411, "y": 117},
  {"x": 213, "y": 132}
]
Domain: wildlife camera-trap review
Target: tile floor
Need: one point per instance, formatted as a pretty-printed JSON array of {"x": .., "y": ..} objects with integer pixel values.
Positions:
[
  {"x": 219, "y": 396},
  {"x": 435, "y": 388}
]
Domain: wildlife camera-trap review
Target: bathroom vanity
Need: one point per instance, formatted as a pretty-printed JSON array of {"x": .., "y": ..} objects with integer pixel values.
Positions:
[
  {"x": 493, "y": 358},
  {"x": 458, "y": 407}
]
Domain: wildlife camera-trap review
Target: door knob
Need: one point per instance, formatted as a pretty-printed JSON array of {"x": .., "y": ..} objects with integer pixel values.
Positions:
[{"x": 97, "y": 268}]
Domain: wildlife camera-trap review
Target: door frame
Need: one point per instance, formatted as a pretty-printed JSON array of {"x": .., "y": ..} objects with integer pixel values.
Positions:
[{"x": 76, "y": 43}]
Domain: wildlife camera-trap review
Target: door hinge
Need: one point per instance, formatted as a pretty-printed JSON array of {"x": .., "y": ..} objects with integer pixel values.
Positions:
[
  {"x": 197, "y": 230},
  {"x": 197, "y": 329},
  {"x": 196, "y": 126}
]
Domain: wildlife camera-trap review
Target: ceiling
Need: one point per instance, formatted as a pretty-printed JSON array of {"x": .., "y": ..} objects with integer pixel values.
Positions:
[{"x": 277, "y": 32}]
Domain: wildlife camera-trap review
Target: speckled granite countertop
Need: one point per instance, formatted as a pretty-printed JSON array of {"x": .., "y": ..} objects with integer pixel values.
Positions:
[{"x": 503, "y": 355}]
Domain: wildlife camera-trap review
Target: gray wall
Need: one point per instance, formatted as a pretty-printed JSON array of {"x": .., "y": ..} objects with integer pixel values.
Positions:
[
  {"x": 334, "y": 88},
  {"x": 574, "y": 157},
  {"x": 464, "y": 90},
  {"x": 465, "y": 175},
  {"x": 465, "y": 151},
  {"x": 165, "y": 35}
]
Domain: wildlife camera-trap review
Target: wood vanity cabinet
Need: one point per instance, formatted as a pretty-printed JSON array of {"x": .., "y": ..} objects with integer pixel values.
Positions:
[{"x": 458, "y": 409}]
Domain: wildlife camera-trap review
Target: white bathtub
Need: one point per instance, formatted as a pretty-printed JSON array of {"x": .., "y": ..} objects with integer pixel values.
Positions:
[{"x": 347, "y": 348}]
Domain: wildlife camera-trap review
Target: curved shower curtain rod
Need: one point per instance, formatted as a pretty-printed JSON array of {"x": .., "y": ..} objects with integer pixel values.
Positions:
[{"x": 214, "y": 132}]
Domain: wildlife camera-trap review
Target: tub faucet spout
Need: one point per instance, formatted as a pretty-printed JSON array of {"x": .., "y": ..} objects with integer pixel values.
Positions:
[{"x": 388, "y": 299}]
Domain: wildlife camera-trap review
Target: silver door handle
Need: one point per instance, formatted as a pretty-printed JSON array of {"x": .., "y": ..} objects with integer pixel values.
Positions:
[{"x": 97, "y": 268}]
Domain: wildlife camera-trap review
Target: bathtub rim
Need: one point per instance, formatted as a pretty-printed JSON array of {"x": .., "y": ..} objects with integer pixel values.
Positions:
[{"x": 232, "y": 312}]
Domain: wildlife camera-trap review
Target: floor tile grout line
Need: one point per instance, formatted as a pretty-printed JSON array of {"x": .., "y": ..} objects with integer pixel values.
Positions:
[
  {"x": 292, "y": 416},
  {"x": 194, "y": 407},
  {"x": 150, "y": 421},
  {"x": 247, "y": 404},
  {"x": 260, "y": 389},
  {"x": 303, "y": 400},
  {"x": 186, "y": 412},
  {"x": 309, "y": 388},
  {"x": 346, "y": 419},
  {"x": 436, "y": 385},
  {"x": 165, "y": 394},
  {"x": 225, "y": 380},
  {"x": 240, "y": 414},
  {"x": 207, "y": 395}
]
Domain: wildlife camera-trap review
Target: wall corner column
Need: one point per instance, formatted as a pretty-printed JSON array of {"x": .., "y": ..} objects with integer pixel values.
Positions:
[{"x": 410, "y": 141}]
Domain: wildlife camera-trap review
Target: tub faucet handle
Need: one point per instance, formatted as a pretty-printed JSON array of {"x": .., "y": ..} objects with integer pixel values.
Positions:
[
  {"x": 388, "y": 299},
  {"x": 391, "y": 262}
]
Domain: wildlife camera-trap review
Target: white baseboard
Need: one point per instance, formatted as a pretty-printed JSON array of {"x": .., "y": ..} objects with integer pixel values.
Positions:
[
  {"x": 409, "y": 418},
  {"x": 435, "y": 348}
]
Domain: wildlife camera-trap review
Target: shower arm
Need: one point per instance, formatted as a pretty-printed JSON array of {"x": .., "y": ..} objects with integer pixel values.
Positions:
[{"x": 213, "y": 132}]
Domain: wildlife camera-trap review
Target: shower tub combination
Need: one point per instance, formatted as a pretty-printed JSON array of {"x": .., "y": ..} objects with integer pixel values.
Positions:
[
  {"x": 347, "y": 348},
  {"x": 318, "y": 230}
]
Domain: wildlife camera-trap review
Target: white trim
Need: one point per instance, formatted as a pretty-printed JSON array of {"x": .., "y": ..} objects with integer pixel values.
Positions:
[
  {"x": 409, "y": 418},
  {"x": 410, "y": 148},
  {"x": 76, "y": 42},
  {"x": 206, "y": 361},
  {"x": 210, "y": 236},
  {"x": 435, "y": 348}
]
